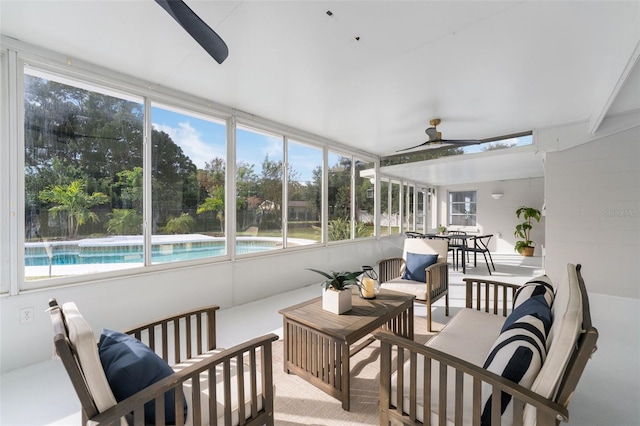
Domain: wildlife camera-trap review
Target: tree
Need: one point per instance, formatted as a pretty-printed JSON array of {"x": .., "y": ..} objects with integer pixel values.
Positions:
[
  {"x": 182, "y": 224},
  {"x": 212, "y": 178},
  {"x": 124, "y": 222},
  {"x": 72, "y": 133},
  {"x": 423, "y": 155},
  {"x": 131, "y": 188},
  {"x": 246, "y": 188},
  {"x": 174, "y": 180},
  {"x": 215, "y": 203},
  {"x": 74, "y": 202}
]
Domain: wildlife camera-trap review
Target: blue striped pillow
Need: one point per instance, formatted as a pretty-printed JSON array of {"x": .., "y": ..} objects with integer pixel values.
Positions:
[
  {"x": 539, "y": 286},
  {"x": 519, "y": 351}
]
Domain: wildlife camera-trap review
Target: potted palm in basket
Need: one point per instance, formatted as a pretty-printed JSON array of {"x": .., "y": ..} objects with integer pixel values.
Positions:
[{"x": 523, "y": 230}]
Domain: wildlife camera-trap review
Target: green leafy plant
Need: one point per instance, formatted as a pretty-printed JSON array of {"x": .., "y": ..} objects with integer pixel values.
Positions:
[
  {"x": 442, "y": 229},
  {"x": 523, "y": 230},
  {"x": 75, "y": 202},
  {"x": 339, "y": 229},
  {"x": 183, "y": 224},
  {"x": 124, "y": 221},
  {"x": 339, "y": 281}
]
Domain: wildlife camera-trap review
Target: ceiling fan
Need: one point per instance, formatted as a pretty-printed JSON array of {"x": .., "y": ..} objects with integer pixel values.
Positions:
[
  {"x": 435, "y": 138},
  {"x": 197, "y": 28}
]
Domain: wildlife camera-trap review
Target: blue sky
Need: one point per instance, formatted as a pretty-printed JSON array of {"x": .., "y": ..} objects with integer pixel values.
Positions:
[
  {"x": 202, "y": 140},
  {"x": 523, "y": 140}
]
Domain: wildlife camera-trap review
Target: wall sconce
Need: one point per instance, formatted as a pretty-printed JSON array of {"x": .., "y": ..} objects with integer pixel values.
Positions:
[{"x": 497, "y": 195}]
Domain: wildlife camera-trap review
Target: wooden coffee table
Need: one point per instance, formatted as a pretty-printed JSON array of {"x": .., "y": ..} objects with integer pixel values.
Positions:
[{"x": 318, "y": 344}]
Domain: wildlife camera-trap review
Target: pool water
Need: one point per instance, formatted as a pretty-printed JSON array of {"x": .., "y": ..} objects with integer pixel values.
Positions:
[{"x": 70, "y": 254}]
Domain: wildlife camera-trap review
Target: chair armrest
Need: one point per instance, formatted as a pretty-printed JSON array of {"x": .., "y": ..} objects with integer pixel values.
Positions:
[
  {"x": 547, "y": 410},
  {"x": 389, "y": 269},
  {"x": 481, "y": 293},
  {"x": 243, "y": 353},
  {"x": 176, "y": 332}
]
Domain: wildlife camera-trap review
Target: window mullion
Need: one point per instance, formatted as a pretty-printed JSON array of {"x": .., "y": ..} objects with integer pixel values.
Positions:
[
  {"x": 353, "y": 198},
  {"x": 284, "y": 212},
  {"x": 230, "y": 226},
  {"x": 15, "y": 112},
  {"x": 147, "y": 192},
  {"x": 376, "y": 200},
  {"x": 325, "y": 196}
]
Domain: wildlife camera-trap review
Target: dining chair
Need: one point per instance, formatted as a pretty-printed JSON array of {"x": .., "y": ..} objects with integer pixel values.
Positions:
[
  {"x": 456, "y": 245},
  {"x": 412, "y": 234},
  {"x": 481, "y": 245}
]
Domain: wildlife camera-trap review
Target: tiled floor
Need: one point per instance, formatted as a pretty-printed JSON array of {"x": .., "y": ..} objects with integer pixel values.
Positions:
[{"x": 608, "y": 393}]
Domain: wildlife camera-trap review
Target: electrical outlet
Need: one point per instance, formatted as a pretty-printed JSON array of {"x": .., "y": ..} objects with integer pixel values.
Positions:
[{"x": 26, "y": 315}]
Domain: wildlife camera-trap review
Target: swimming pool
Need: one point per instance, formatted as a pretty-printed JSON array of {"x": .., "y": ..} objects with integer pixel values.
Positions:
[{"x": 165, "y": 248}]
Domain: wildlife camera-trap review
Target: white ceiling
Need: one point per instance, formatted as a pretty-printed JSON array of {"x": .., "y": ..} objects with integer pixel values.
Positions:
[{"x": 485, "y": 68}]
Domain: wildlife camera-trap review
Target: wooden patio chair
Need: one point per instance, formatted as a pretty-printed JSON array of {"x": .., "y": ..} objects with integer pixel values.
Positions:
[{"x": 410, "y": 274}]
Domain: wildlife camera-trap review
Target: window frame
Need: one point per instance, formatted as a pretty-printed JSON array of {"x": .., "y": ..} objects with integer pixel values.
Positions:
[
  {"x": 450, "y": 209},
  {"x": 16, "y": 56}
]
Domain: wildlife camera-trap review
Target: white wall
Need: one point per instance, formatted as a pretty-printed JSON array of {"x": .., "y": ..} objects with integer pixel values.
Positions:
[
  {"x": 498, "y": 217},
  {"x": 127, "y": 301},
  {"x": 593, "y": 207}
]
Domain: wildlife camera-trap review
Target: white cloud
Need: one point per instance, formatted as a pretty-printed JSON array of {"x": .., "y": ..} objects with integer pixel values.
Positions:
[{"x": 191, "y": 142}]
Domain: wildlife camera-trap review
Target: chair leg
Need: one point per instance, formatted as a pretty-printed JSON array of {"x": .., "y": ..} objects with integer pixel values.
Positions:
[
  {"x": 446, "y": 304},
  {"x": 487, "y": 262},
  {"x": 454, "y": 259},
  {"x": 491, "y": 259}
]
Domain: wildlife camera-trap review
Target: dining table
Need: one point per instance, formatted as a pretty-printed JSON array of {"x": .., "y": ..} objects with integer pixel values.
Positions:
[{"x": 462, "y": 246}]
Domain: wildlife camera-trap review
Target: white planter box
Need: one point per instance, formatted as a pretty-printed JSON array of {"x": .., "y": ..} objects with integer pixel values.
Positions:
[{"x": 337, "y": 302}]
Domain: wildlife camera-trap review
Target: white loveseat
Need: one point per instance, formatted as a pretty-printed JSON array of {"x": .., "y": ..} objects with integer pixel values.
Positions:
[{"x": 457, "y": 361}]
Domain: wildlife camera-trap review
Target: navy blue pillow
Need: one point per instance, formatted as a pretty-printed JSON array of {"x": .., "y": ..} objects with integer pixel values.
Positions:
[
  {"x": 535, "y": 306},
  {"x": 519, "y": 351},
  {"x": 416, "y": 264},
  {"x": 131, "y": 366}
]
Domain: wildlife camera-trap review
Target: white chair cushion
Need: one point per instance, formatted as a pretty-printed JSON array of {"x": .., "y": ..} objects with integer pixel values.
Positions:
[
  {"x": 84, "y": 344},
  {"x": 567, "y": 325},
  {"x": 469, "y": 336},
  {"x": 204, "y": 390},
  {"x": 417, "y": 288}
]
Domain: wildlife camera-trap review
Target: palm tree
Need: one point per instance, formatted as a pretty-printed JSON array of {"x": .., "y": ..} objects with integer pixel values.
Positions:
[
  {"x": 182, "y": 224},
  {"x": 73, "y": 200},
  {"x": 124, "y": 222}
]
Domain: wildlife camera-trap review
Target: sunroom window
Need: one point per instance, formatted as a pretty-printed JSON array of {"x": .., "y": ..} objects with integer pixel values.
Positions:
[
  {"x": 364, "y": 199},
  {"x": 259, "y": 183},
  {"x": 304, "y": 177},
  {"x": 339, "y": 169},
  {"x": 82, "y": 150},
  {"x": 188, "y": 165}
]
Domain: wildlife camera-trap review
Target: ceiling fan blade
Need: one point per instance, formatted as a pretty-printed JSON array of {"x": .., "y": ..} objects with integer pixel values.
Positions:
[
  {"x": 197, "y": 28},
  {"x": 414, "y": 147},
  {"x": 460, "y": 141},
  {"x": 442, "y": 143}
]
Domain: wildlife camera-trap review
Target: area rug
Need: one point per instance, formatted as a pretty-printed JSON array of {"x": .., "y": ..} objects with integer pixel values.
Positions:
[{"x": 298, "y": 402}]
